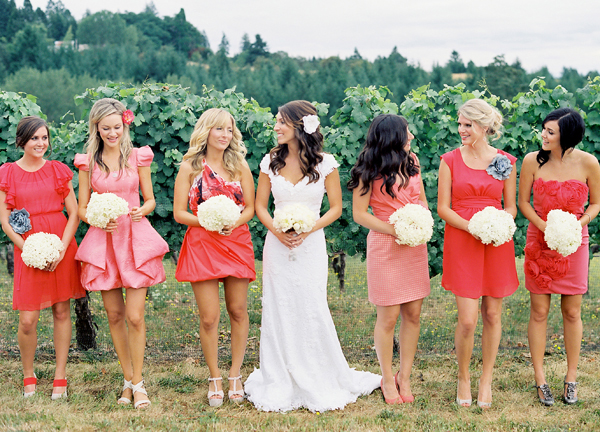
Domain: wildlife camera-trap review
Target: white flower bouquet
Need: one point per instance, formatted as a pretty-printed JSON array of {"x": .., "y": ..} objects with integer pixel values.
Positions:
[
  {"x": 218, "y": 212},
  {"x": 295, "y": 217},
  {"x": 492, "y": 226},
  {"x": 41, "y": 249},
  {"x": 563, "y": 232},
  {"x": 104, "y": 207},
  {"x": 413, "y": 224}
]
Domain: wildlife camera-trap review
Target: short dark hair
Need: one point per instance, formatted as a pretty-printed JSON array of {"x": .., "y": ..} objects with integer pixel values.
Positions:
[
  {"x": 27, "y": 127},
  {"x": 571, "y": 128}
]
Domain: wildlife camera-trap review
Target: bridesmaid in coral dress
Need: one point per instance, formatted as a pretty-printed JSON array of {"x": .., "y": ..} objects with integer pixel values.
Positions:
[
  {"x": 128, "y": 252},
  {"x": 472, "y": 177},
  {"x": 561, "y": 177},
  {"x": 386, "y": 177},
  {"x": 215, "y": 165},
  {"x": 43, "y": 189}
]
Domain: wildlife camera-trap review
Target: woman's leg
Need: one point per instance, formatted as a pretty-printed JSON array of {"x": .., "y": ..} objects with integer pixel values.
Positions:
[
  {"x": 387, "y": 316},
  {"x": 236, "y": 295},
  {"x": 61, "y": 313},
  {"x": 136, "y": 324},
  {"x": 536, "y": 332},
  {"x": 207, "y": 298},
  {"x": 571, "y": 311},
  {"x": 491, "y": 315},
  {"x": 27, "y": 337},
  {"x": 410, "y": 326},
  {"x": 464, "y": 336},
  {"x": 115, "y": 312}
]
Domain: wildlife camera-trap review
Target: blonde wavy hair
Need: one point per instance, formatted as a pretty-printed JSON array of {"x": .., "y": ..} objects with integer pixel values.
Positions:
[
  {"x": 485, "y": 115},
  {"x": 94, "y": 145},
  {"x": 234, "y": 154}
]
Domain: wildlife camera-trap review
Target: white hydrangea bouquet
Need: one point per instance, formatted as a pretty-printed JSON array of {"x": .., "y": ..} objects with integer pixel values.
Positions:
[
  {"x": 296, "y": 217},
  {"x": 563, "y": 232},
  {"x": 218, "y": 212},
  {"x": 492, "y": 226},
  {"x": 41, "y": 249},
  {"x": 103, "y": 207},
  {"x": 413, "y": 224}
]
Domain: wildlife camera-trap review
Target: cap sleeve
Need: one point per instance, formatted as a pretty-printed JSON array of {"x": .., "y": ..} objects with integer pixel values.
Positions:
[
  {"x": 510, "y": 157},
  {"x": 81, "y": 162},
  {"x": 62, "y": 176},
  {"x": 264, "y": 164},
  {"x": 144, "y": 156},
  {"x": 449, "y": 158},
  {"x": 6, "y": 185},
  {"x": 328, "y": 164}
]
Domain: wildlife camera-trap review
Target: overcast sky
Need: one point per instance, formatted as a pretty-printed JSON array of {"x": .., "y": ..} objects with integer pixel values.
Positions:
[{"x": 539, "y": 33}]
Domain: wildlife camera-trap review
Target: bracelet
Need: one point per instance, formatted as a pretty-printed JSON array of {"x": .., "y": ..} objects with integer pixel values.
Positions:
[{"x": 588, "y": 216}]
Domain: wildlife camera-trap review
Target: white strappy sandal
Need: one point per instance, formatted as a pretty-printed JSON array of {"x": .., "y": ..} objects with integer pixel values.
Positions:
[
  {"x": 235, "y": 395},
  {"x": 139, "y": 387},
  {"x": 123, "y": 400},
  {"x": 215, "y": 401}
]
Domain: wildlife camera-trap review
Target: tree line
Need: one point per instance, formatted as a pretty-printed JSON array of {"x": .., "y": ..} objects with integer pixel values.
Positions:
[{"x": 144, "y": 47}]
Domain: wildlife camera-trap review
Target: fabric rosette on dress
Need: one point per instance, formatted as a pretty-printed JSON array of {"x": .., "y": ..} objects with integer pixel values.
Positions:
[
  {"x": 19, "y": 221},
  {"x": 546, "y": 270}
]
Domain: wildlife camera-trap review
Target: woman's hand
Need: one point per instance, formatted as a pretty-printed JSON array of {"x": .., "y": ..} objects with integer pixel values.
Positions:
[
  {"x": 227, "y": 230},
  {"x": 291, "y": 240},
  {"x": 111, "y": 226},
  {"x": 136, "y": 214},
  {"x": 52, "y": 266}
]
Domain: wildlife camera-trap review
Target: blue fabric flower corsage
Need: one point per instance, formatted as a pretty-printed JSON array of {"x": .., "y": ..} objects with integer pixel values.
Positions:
[
  {"x": 19, "y": 221},
  {"x": 500, "y": 167}
]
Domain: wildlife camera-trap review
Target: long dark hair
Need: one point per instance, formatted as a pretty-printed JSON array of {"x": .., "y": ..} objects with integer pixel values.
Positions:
[
  {"x": 27, "y": 127},
  {"x": 571, "y": 128},
  {"x": 311, "y": 145},
  {"x": 383, "y": 156}
]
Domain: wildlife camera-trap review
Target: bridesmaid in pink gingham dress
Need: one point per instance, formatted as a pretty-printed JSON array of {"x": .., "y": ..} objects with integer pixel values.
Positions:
[{"x": 386, "y": 177}]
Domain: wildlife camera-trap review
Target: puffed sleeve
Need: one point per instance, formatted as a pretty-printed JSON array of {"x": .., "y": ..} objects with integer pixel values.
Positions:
[
  {"x": 6, "y": 185},
  {"x": 328, "y": 164},
  {"x": 144, "y": 156},
  {"x": 62, "y": 177},
  {"x": 81, "y": 162},
  {"x": 264, "y": 164}
]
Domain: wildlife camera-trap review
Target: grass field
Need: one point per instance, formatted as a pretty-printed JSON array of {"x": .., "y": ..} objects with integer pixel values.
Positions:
[{"x": 176, "y": 374}]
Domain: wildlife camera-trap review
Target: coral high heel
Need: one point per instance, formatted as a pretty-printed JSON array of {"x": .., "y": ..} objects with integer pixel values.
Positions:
[
  {"x": 59, "y": 383},
  {"x": 395, "y": 401},
  {"x": 405, "y": 399}
]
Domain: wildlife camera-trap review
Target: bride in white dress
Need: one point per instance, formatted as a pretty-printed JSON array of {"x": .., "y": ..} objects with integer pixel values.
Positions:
[{"x": 301, "y": 361}]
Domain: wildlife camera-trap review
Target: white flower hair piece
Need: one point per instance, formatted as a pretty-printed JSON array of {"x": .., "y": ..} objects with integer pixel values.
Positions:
[{"x": 311, "y": 123}]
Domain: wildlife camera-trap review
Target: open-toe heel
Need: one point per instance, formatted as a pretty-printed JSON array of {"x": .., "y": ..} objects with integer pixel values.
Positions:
[
  {"x": 29, "y": 381},
  {"x": 123, "y": 400},
  {"x": 464, "y": 403},
  {"x": 59, "y": 383},
  {"x": 215, "y": 398},
  {"x": 139, "y": 388},
  {"x": 236, "y": 395}
]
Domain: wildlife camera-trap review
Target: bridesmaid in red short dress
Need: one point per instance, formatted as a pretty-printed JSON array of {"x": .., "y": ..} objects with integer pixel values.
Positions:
[
  {"x": 472, "y": 177},
  {"x": 561, "y": 177},
  {"x": 215, "y": 165},
  {"x": 43, "y": 188}
]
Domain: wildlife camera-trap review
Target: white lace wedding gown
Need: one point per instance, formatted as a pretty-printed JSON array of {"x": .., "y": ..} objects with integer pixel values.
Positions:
[{"x": 301, "y": 361}]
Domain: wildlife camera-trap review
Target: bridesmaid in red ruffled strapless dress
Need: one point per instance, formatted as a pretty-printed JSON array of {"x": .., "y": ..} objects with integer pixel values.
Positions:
[{"x": 561, "y": 177}]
